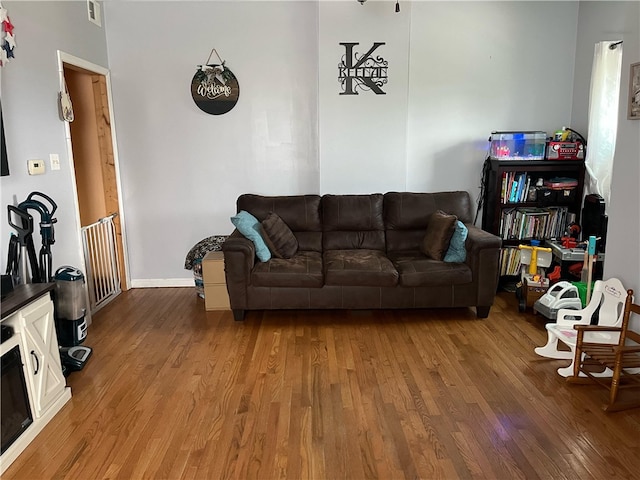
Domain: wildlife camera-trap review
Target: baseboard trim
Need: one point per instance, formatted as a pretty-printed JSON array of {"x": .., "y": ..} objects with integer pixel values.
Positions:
[{"x": 162, "y": 282}]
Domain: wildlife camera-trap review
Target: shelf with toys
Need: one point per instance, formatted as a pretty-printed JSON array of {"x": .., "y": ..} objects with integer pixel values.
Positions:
[{"x": 532, "y": 189}]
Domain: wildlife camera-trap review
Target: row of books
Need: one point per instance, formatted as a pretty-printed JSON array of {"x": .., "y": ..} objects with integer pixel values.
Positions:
[
  {"x": 515, "y": 187},
  {"x": 526, "y": 223},
  {"x": 510, "y": 261}
]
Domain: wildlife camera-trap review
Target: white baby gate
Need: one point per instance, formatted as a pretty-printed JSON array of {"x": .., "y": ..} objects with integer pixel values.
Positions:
[{"x": 101, "y": 260}]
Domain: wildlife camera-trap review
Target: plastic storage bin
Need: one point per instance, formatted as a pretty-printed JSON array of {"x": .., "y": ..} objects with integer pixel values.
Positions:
[{"x": 518, "y": 145}]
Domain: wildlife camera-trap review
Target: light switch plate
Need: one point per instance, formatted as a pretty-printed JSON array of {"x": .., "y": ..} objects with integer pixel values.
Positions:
[
  {"x": 54, "y": 159},
  {"x": 35, "y": 167}
]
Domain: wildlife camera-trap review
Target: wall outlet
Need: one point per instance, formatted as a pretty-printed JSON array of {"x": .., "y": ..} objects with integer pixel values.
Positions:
[
  {"x": 54, "y": 160},
  {"x": 35, "y": 167}
]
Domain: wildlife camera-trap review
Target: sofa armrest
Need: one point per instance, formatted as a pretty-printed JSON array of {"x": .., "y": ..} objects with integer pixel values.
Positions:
[
  {"x": 483, "y": 257},
  {"x": 239, "y": 259},
  {"x": 478, "y": 239}
]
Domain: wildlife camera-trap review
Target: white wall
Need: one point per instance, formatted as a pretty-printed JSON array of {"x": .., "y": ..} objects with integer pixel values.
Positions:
[
  {"x": 182, "y": 169},
  {"x": 476, "y": 67},
  {"x": 29, "y": 86},
  {"x": 363, "y": 137},
  {"x": 457, "y": 71},
  {"x": 599, "y": 21}
]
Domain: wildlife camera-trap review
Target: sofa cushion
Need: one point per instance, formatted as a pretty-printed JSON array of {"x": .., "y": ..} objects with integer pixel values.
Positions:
[
  {"x": 439, "y": 232},
  {"x": 279, "y": 237},
  {"x": 362, "y": 267},
  {"x": 352, "y": 221},
  {"x": 406, "y": 215},
  {"x": 301, "y": 213},
  {"x": 250, "y": 227},
  {"x": 457, "y": 250},
  {"x": 304, "y": 269},
  {"x": 415, "y": 270}
]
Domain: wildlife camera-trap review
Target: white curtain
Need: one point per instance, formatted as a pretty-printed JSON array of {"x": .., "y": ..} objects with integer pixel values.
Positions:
[{"x": 603, "y": 118}]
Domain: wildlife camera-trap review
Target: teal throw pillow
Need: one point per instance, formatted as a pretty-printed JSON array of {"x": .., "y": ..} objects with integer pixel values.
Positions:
[
  {"x": 457, "y": 252},
  {"x": 249, "y": 226}
]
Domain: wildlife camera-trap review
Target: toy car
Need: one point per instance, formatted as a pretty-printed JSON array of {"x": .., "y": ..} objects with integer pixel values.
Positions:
[{"x": 561, "y": 295}]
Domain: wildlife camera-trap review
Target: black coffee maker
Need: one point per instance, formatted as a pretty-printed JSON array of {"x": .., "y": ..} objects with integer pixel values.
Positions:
[{"x": 70, "y": 318}]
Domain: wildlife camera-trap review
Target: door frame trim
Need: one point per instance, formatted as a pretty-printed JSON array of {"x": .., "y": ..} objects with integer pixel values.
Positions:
[{"x": 63, "y": 58}]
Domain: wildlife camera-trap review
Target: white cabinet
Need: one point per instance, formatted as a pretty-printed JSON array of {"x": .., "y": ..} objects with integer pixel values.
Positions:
[
  {"x": 31, "y": 318},
  {"x": 46, "y": 381}
]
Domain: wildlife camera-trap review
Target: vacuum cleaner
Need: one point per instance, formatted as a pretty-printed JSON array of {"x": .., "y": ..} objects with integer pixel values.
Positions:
[
  {"x": 24, "y": 267},
  {"x": 22, "y": 254},
  {"x": 70, "y": 319},
  {"x": 21, "y": 257}
]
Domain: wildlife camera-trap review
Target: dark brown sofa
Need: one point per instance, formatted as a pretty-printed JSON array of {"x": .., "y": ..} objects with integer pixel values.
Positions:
[{"x": 361, "y": 252}]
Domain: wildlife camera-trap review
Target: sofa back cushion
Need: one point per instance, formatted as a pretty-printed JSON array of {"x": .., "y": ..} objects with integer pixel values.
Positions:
[
  {"x": 406, "y": 215},
  {"x": 301, "y": 213},
  {"x": 353, "y": 221}
]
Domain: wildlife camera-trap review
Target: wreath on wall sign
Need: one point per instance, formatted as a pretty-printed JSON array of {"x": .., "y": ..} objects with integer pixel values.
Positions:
[{"x": 214, "y": 87}]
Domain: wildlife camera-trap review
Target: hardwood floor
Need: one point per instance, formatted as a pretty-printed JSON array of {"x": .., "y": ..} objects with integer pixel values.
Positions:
[{"x": 172, "y": 391}]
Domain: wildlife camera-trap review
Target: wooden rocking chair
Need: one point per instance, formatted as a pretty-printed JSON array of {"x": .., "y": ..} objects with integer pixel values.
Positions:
[{"x": 621, "y": 355}]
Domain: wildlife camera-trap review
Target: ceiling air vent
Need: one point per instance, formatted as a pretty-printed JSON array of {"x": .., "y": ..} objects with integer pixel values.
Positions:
[{"x": 93, "y": 11}]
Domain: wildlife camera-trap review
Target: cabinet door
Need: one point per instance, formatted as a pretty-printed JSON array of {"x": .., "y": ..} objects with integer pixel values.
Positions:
[{"x": 42, "y": 354}]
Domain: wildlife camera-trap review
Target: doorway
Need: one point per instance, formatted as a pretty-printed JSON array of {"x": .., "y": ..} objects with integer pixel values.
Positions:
[{"x": 93, "y": 155}]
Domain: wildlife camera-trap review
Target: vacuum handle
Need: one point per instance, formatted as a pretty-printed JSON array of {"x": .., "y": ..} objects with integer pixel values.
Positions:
[
  {"x": 47, "y": 198},
  {"x": 26, "y": 228}
]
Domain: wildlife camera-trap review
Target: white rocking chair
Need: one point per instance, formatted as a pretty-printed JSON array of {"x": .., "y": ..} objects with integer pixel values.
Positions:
[{"x": 608, "y": 299}]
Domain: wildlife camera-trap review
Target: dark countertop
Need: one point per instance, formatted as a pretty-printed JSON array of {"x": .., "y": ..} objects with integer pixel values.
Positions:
[{"x": 22, "y": 295}]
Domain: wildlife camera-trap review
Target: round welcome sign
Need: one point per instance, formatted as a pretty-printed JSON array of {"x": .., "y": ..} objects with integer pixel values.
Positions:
[{"x": 215, "y": 89}]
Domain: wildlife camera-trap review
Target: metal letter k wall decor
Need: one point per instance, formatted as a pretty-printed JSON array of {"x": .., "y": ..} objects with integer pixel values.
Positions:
[{"x": 362, "y": 72}]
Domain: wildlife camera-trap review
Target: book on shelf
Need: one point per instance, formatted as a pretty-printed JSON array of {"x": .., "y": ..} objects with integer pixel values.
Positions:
[
  {"x": 525, "y": 223},
  {"x": 522, "y": 182},
  {"x": 525, "y": 192},
  {"x": 503, "y": 187},
  {"x": 514, "y": 187},
  {"x": 509, "y": 261}
]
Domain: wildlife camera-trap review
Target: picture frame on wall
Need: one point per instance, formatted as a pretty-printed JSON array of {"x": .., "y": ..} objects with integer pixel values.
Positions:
[{"x": 634, "y": 92}]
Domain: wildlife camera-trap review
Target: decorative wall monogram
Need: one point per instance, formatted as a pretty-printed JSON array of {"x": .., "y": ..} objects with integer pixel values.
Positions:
[{"x": 362, "y": 72}]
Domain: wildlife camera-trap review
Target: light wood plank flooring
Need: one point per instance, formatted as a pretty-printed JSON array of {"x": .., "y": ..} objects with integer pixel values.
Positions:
[{"x": 174, "y": 392}]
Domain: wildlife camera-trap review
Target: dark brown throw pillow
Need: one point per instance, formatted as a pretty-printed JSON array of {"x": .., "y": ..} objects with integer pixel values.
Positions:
[
  {"x": 439, "y": 232},
  {"x": 279, "y": 237}
]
